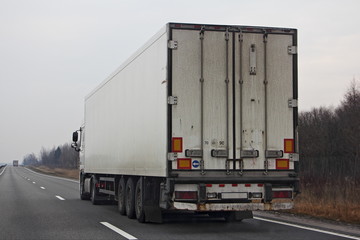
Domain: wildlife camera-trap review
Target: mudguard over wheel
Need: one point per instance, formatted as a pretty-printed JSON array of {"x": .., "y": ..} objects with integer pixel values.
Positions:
[
  {"x": 139, "y": 202},
  {"x": 122, "y": 196},
  {"x": 93, "y": 193},
  {"x": 130, "y": 198}
]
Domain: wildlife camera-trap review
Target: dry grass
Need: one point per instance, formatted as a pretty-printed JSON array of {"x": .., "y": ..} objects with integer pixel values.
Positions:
[
  {"x": 60, "y": 172},
  {"x": 338, "y": 201}
]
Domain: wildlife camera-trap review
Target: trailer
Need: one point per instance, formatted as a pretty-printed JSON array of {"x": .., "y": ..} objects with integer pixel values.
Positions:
[
  {"x": 15, "y": 163},
  {"x": 202, "y": 118}
]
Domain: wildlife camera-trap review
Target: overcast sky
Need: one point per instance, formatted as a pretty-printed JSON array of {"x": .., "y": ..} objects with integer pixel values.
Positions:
[{"x": 54, "y": 52}]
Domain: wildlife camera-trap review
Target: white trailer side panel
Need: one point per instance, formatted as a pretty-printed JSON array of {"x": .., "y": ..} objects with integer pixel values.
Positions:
[{"x": 126, "y": 116}]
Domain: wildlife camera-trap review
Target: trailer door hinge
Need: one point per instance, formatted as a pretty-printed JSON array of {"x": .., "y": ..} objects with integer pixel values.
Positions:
[
  {"x": 294, "y": 157},
  {"x": 292, "y": 49},
  {"x": 172, "y": 44},
  {"x": 172, "y": 156},
  {"x": 293, "y": 103},
  {"x": 172, "y": 100}
]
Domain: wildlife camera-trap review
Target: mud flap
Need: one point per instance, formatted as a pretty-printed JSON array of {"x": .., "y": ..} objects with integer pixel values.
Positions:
[{"x": 153, "y": 214}]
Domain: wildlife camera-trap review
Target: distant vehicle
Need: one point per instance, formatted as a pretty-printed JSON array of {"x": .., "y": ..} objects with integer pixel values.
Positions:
[
  {"x": 203, "y": 118},
  {"x": 15, "y": 163}
]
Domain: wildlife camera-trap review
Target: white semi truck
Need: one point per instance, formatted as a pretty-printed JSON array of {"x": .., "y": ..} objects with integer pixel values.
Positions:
[{"x": 202, "y": 118}]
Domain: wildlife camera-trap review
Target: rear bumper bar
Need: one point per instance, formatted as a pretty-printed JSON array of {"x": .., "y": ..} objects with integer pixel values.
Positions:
[{"x": 281, "y": 205}]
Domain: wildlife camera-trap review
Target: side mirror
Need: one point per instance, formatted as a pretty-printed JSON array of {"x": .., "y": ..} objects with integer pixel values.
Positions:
[{"x": 75, "y": 136}]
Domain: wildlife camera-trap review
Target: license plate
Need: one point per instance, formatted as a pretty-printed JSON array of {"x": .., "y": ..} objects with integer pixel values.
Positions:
[{"x": 234, "y": 195}]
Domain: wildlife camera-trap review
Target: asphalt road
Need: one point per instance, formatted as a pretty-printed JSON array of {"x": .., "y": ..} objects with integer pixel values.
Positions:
[{"x": 34, "y": 206}]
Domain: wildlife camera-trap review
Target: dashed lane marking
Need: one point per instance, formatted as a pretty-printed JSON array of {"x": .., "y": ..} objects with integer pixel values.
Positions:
[
  {"x": 42, "y": 187},
  {"x": 34, "y": 182},
  {"x": 60, "y": 198},
  {"x": 65, "y": 179},
  {"x": 119, "y": 231},
  {"x": 3, "y": 170},
  {"x": 308, "y": 228}
]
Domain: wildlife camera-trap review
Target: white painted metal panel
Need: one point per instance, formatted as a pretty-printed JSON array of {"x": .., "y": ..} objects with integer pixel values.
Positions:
[
  {"x": 253, "y": 106},
  {"x": 126, "y": 116},
  {"x": 186, "y": 119},
  {"x": 280, "y": 90},
  {"x": 253, "y": 131},
  {"x": 187, "y": 87}
]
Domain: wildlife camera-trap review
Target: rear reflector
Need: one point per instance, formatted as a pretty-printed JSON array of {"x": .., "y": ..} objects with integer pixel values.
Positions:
[
  {"x": 184, "y": 163},
  {"x": 247, "y": 185},
  {"x": 192, "y": 195},
  {"x": 282, "y": 194},
  {"x": 289, "y": 145},
  {"x": 208, "y": 185},
  {"x": 282, "y": 164},
  {"x": 177, "y": 144},
  {"x": 221, "y": 185}
]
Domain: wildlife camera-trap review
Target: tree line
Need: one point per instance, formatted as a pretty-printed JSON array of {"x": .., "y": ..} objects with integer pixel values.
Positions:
[
  {"x": 62, "y": 156},
  {"x": 329, "y": 141}
]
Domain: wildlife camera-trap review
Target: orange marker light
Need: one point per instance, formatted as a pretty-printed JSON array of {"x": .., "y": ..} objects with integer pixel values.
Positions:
[
  {"x": 289, "y": 145},
  {"x": 184, "y": 163},
  {"x": 282, "y": 164},
  {"x": 177, "y": 144}
]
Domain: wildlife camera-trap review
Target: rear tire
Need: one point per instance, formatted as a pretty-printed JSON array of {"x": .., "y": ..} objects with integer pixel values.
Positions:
[
  {"x": 130, "y": 198},
  {"x": 83, "y": 195},
  {"x": 122, "y": 196},
  {"x": 139, "y": 202},
  {"x": 93, "y": 192}
]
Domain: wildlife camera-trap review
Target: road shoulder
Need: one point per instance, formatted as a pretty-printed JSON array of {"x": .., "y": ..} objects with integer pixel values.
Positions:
[{"x": 304, "y": 220}]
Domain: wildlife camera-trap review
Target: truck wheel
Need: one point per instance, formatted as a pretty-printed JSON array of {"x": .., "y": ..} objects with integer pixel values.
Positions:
[
  {"x": 121, "y": 196},
  {"x": 130, "y": 198},
  {"x": 93, "y": 193},
  {"x": 139, "y": 203},
  {"x": 83, "y": 195}
]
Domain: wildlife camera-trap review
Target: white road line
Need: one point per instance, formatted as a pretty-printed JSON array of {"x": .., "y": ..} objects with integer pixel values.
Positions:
[
  {"x": 66, "y": 179},
  {"x": 34, "y": 182},
  {"x": 62, "y": 199},
  {"x": 308, "y": 228},
  {"x": 3, "y": 170},
  {"x": 42, "y": 187},
  {"x": 119, "y": 231}
]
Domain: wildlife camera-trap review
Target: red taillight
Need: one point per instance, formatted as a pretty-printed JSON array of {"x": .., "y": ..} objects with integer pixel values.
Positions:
[
  {"x": 221, "y": 185},
  {"x": 208, "y": 185},
  {"x": 234, "y": 185},
  {"x": 282, "y": 194},
  {"x": 260, "y": 185},
  {"x": 191, "y": 195},
  {"x": 247, "y": 185}
]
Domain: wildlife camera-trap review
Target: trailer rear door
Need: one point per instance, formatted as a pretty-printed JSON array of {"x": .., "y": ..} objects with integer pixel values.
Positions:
[{"x": 233, "y": 98}]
